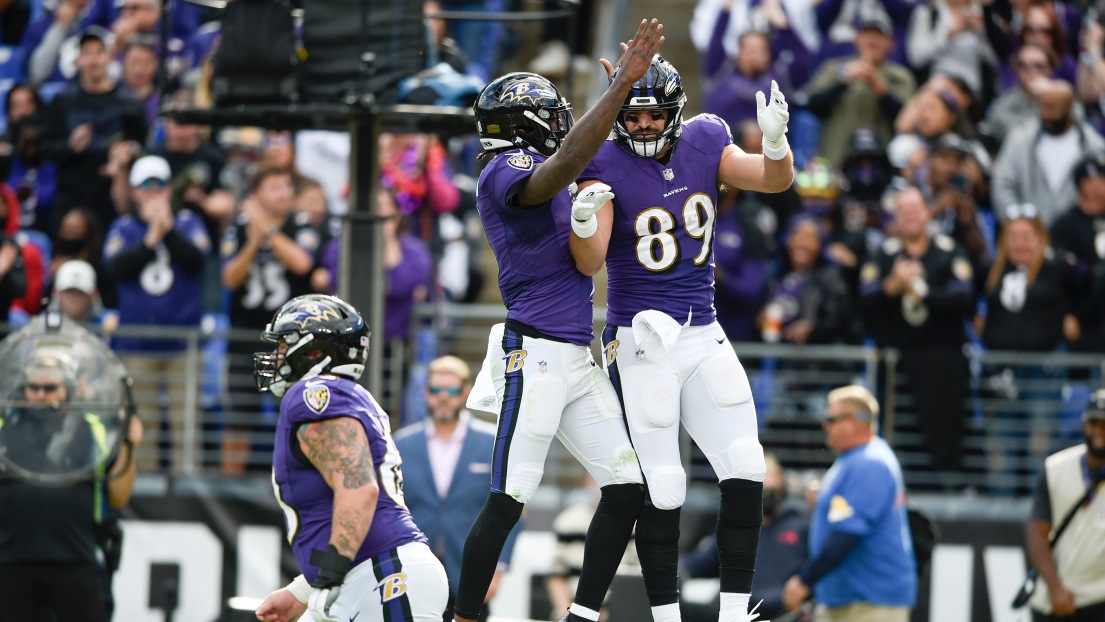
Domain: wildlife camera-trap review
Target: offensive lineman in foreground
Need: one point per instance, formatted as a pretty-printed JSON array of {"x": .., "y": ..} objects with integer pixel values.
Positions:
[
  {"x": 338, "y": 477},
  {"x": 539, "y": 375},
  {"x": 646, "y": 207}
]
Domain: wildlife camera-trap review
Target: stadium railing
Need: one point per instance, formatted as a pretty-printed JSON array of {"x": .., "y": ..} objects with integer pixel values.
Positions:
[{"x": 1020, "y": 406}]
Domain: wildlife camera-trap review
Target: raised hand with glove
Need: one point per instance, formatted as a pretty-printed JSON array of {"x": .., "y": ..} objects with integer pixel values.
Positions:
[
  {"x": 773, "y": 117},
  {"x": 586, "y": 204}
]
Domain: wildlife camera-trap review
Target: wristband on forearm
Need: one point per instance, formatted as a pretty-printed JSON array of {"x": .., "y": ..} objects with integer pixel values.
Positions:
[
  {"x": 585, "y": 228},
  {"x": 300, "y": 589},
  {"x": 776, "y": 149},
  {"x": 332, "y": 567}
]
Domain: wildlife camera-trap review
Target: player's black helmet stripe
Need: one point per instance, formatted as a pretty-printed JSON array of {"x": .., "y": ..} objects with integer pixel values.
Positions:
[
  {"x": 522, "y": 110},
  {"x": 324, "y": 334}
]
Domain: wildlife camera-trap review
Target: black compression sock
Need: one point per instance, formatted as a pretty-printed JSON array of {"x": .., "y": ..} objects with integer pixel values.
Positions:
[
  {"x": 738, "y": 533},
  {"x": 481, "y": 552},
  {"x": 607, "y": 537},
  {"x": 658, "y": 552}
]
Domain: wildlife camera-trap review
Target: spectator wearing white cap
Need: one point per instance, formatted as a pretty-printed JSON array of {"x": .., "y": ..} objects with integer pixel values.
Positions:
[
  {"x": 156, "y": 254},
  {"x": 75, "y": 293}
]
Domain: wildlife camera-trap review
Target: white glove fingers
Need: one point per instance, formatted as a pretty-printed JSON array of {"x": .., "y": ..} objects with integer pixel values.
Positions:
[{"x": 761, "y": 100}]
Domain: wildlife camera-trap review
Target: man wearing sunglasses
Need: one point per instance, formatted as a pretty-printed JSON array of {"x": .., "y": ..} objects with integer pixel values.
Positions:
[
  {"x": 1033, "y": 65},
  {"x": 156, "y": 255},
  {"x": 445, "y": 459},
  {"x": 862, "y": 567},
  {"x": 49, "y": 533}
]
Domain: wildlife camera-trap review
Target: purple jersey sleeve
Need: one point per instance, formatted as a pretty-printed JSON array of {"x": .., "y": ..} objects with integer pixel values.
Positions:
[
  {"x": 661, "y": 246},
  {"x": 304, "y": 495},
  {"x": 538, "y": 279}
]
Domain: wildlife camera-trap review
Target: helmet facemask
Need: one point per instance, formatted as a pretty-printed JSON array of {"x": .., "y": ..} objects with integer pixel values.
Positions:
[
  {"x": 273, "y": 371},
  {"x": 659, "y": 89},
  {"x": 315, "y": 335},
  {"x": 522, "y": 110},
  {"x": 650, "y": 144}
]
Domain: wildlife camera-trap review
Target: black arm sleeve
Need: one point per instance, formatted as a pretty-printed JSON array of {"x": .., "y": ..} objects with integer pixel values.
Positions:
[
  {"x": 129, "y": 262},
  {"x": 183, "y": 253},
  {"x": 836, "y": 547}
]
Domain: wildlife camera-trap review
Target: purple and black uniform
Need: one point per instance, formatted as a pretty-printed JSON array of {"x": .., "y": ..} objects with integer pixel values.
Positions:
[
  {"x": 661, "y": 245},
  {"x": 163, "y": 292},
  {"x": 306, "y": 498},
  {"x": 540, "y": 285}
]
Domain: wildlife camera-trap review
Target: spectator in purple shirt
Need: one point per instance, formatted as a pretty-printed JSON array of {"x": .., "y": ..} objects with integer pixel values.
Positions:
[
  {"x": 734, "y": 81},
  {"x": 410, "y": 269}
]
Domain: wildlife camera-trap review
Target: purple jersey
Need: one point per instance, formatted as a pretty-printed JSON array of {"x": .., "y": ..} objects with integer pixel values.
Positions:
[
  {"x": 661, "y": 246},
  {"x": 306, "y": 498},
  {"x": 540, "y": 284},
  {"x": 162, "y": 294}
]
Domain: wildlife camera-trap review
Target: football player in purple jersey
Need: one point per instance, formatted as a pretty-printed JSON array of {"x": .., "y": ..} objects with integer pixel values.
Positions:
[
  {"x": 339, "y": 479},
  {"x": 646, "y": 208},
  {"x": 539, "y": 375}
]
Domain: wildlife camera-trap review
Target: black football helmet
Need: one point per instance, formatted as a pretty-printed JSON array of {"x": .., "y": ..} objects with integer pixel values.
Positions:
[
  {"x": 522, "y": 110},
  {"x": 323, "y": 334},
  {"x": 659, "y": 89}
]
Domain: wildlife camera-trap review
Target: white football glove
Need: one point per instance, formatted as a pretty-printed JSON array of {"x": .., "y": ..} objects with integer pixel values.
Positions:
[
  {"x": 773, "y": 117},
  {"x": 320, "y": 601},
  {"x": 587, "y": 203}
]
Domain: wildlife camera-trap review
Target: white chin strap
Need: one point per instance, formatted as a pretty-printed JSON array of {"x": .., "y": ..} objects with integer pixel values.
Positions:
[{"x": 649, "y": 148}]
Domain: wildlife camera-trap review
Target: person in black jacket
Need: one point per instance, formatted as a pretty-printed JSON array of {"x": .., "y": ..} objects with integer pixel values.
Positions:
[
  {"x": 811, "y": 299},
  {"x": 916, "y": 293},
  {"x": 83, "y": 124},
  {"x": 1032, "y": 294},
  {"x": 1081, "y": 232}
]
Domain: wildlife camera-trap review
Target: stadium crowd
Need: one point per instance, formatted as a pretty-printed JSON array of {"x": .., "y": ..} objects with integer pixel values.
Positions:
[{"x": 989, "y": 115}]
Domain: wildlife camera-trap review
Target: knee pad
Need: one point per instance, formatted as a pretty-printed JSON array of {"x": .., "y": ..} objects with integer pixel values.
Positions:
[
  {"x": 743, "y": 460},
  {"x": 522, "y": 481},
  {"x": 667, "y": 487},
  {"x": 726, "y": 381}
]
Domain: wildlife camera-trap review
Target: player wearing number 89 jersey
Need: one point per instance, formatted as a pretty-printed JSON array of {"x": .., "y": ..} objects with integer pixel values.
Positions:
[
  {"x": 338, "y": 475},
  {"x": 665, "y": 353}
]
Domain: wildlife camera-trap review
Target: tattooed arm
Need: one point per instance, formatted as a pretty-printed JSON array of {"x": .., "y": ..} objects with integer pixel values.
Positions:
[
  {"x": 339, "y": 449},
  {"x": 589, "y": 133}
]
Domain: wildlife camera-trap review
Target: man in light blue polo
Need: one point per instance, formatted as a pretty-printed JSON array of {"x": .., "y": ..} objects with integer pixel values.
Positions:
[{"x": 861, "y": 554}]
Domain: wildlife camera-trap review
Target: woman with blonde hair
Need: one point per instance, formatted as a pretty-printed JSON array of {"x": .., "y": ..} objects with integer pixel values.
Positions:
[{"x": 1031, "y": 294}]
